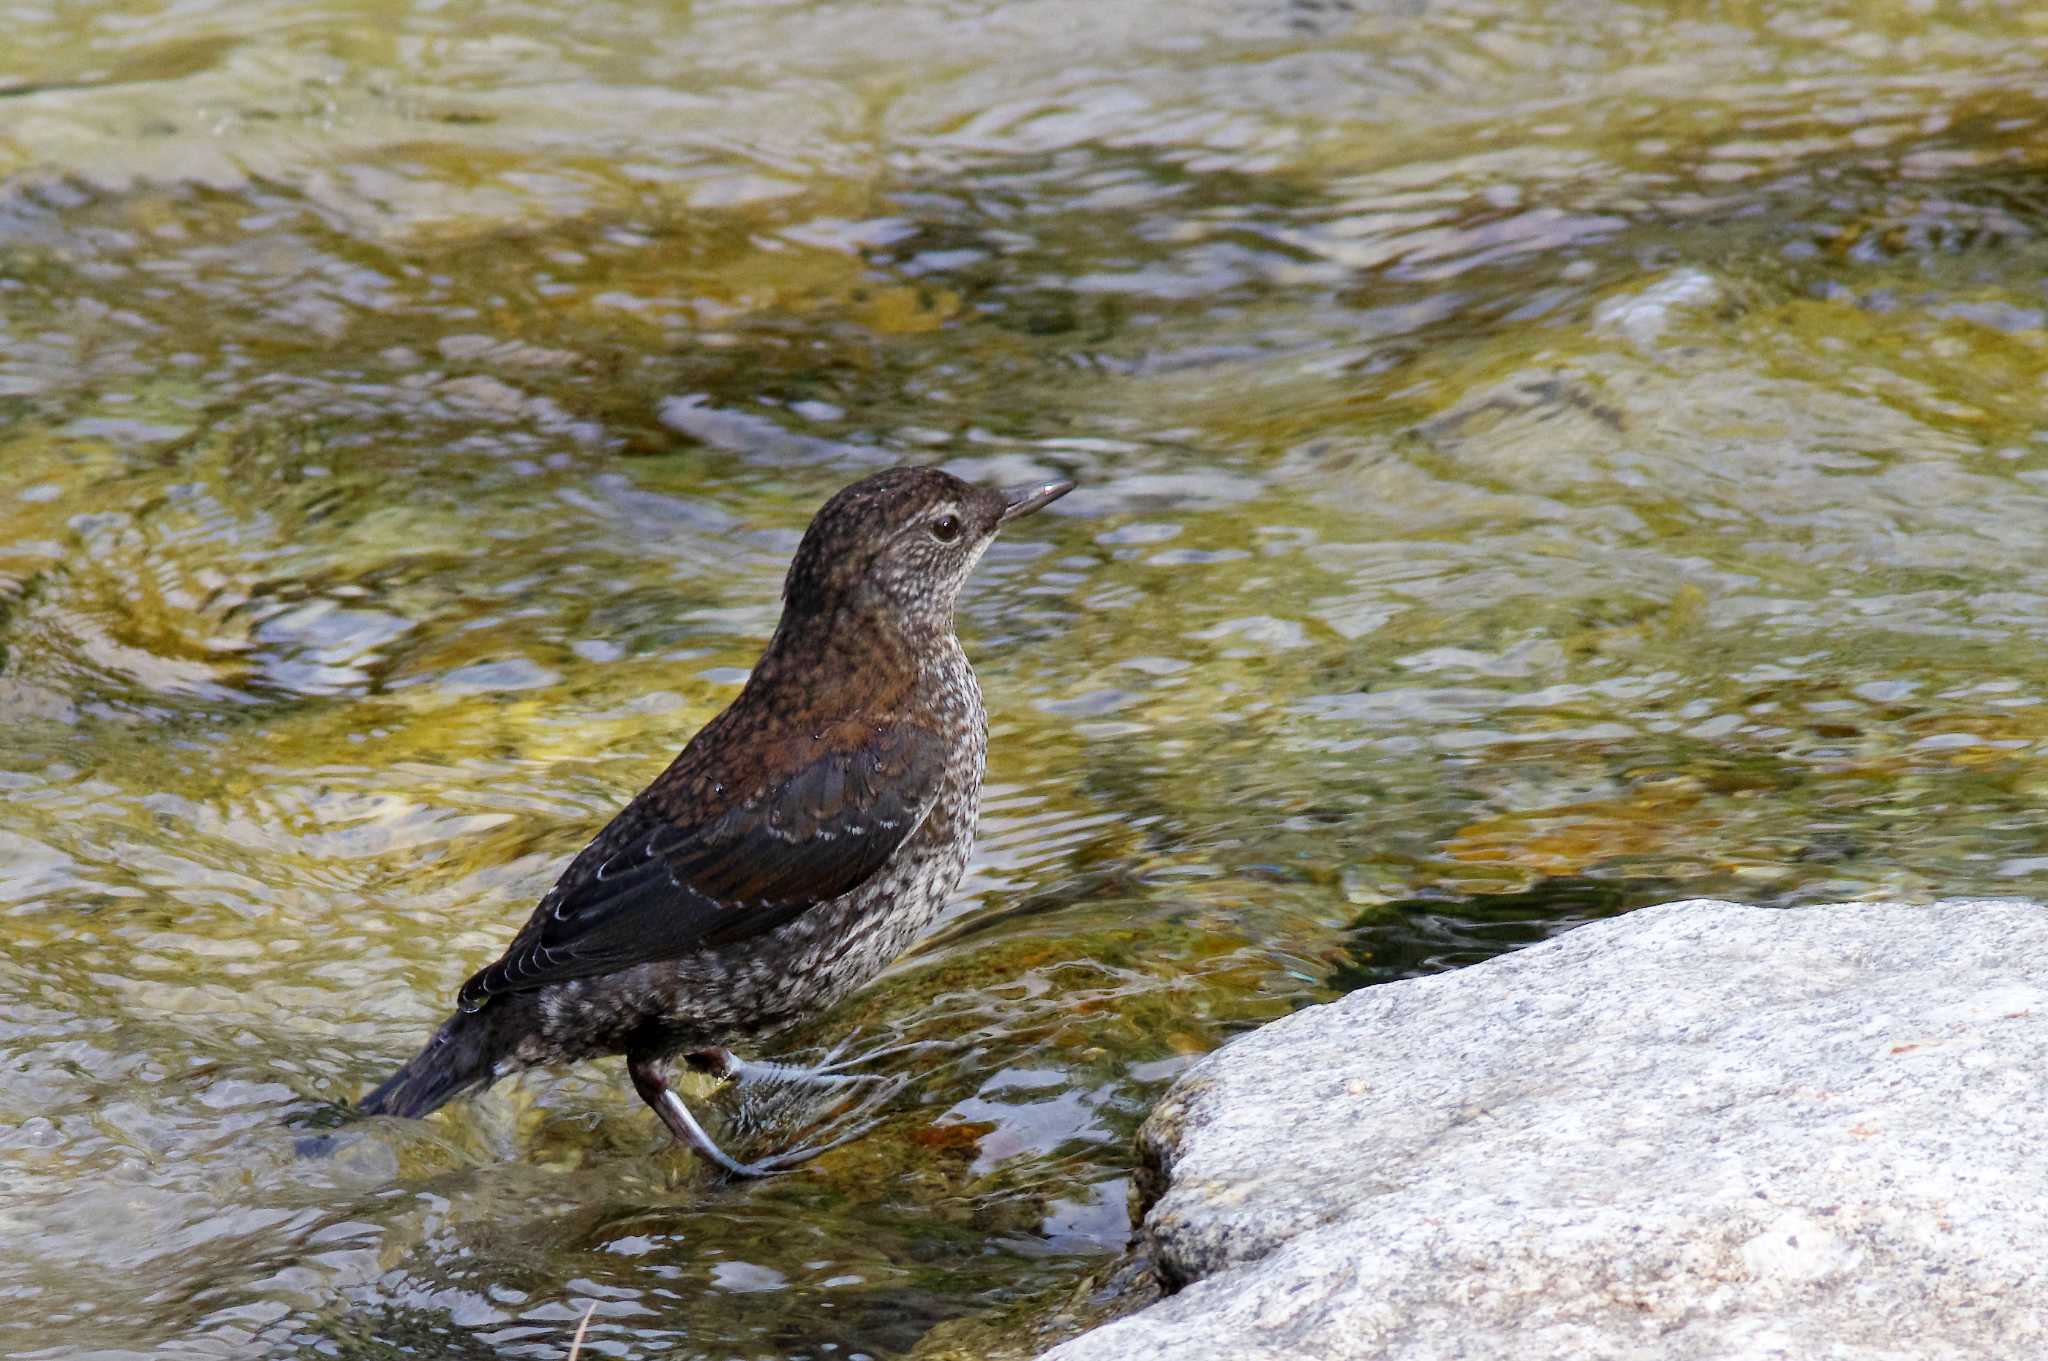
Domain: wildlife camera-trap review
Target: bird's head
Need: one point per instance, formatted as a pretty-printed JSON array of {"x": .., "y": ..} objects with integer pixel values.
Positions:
[{"x": 901, "y": 543}]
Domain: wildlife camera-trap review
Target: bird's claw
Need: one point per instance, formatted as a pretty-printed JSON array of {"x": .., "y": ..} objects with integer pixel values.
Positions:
[
  {"x": 829, "y": 1071},
  {"x": 792, "y": 1158}
]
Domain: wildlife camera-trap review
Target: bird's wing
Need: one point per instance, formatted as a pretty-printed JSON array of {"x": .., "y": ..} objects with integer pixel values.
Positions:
[{"x": 650, "y": 889}]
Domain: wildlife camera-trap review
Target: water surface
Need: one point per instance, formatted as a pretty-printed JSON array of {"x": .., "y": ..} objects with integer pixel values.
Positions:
[{"x": 1536, "y": 459}]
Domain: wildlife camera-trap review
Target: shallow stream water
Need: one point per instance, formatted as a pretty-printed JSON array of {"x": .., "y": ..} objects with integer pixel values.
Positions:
[{"x": 1536, "y": 459}]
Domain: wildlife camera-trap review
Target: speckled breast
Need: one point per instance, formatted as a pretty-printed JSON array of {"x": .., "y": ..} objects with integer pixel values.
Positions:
[{"x": 836, "y": 948}]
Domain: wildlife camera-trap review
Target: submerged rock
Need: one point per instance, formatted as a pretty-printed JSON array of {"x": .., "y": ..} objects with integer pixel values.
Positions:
[{"x": 1700, "y": 1130}]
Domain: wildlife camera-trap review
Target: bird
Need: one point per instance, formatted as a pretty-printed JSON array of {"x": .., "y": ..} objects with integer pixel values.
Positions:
[{"x": 798, "y": 843}]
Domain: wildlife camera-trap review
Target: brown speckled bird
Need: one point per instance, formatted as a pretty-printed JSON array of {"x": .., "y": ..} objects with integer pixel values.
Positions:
[{"x": 802, "y": 840}]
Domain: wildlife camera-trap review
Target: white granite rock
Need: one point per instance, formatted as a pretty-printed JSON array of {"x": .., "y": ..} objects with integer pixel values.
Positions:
[{"x": 1697, "y": 1131}]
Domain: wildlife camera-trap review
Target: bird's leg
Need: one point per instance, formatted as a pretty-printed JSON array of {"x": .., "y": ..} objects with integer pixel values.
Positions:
[{"x": 652, "y": 1084}]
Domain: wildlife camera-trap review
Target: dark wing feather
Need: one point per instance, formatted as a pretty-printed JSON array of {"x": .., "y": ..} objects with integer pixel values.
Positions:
[{"x": 650, "y": 889}]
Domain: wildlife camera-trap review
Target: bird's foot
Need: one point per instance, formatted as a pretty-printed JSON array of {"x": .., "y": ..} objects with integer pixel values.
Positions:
[
  {"x": 833, "y": 1063},
  {"x": 684, "y": 1126},
  {"x": 730, "y": 1067},
  {"x": 792, "y": 1158},
  {"x": 652, "y": 1084},
  {"x": 830, "y": 1071}
]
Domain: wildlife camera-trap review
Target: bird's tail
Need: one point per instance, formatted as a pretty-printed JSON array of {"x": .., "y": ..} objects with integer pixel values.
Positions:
[{"x": 460, "y": 1056}]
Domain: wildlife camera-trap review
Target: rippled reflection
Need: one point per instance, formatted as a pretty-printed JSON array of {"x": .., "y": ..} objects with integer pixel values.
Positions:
[{"x": 1533, "y": 464}]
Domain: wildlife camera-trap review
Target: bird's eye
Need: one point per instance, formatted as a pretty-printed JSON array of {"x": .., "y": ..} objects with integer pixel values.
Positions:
[{"x": 946, "y": 528}]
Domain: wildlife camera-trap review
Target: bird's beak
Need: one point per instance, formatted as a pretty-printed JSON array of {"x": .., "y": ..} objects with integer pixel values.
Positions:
[{"x": 1021, "y": 501}]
